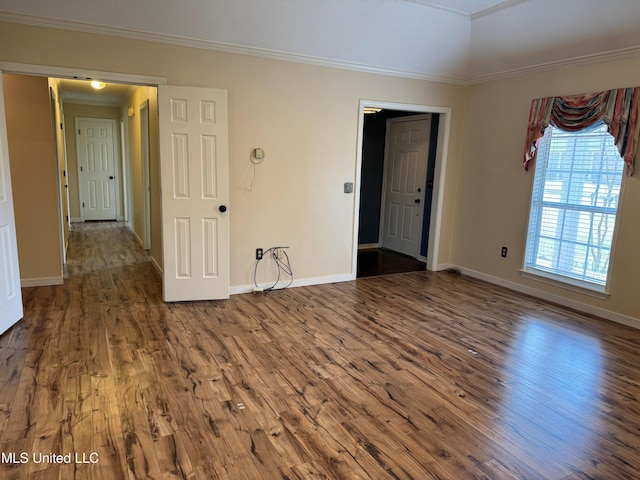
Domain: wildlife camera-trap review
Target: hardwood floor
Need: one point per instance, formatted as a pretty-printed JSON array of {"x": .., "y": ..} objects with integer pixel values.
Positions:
[{"x": 410, "y": 376}]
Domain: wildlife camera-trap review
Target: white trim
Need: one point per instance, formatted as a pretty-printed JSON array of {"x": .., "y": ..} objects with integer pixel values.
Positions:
[
  {"x": 156, "y": 266},
  {"x": 145, "y": 159},
  {"x": 74, "y": 73},
  {"x": 550, "y": 297},
  {"x": 137, "y": 237},
  {"x": 462, "y": 13},
  {"x": 62, "y": 72},
  {"x": 76, "y": 220},
  {"x": 591, "y": 59},
  {"x": 305, "y": 282},
  {"x": 41, "y": 282},
  {"x": 123, "y": 165},
  {"x": 10, "y": 67},
  {"x": 563, "y": 282},
  {"x": 496, "y": 8},
  {"x": 55, "y": 121},
  {"x": 215, "y": 46},
  {"x": 439, "y": 176}
]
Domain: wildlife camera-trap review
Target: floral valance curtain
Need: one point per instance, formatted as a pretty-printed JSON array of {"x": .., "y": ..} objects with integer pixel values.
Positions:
[{"x": 618, "y": 109}]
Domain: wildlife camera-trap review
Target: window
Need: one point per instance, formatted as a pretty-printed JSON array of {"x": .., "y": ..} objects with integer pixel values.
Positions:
[{"x": 574, "y": 206}]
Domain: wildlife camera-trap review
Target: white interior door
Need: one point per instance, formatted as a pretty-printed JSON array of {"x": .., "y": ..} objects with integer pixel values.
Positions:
[
  {"x": 195, "y": 192},
  {"x": 404, "y": 183},
  {"x": 10, "y": 294},
  {"x": 96, "y": 168}
]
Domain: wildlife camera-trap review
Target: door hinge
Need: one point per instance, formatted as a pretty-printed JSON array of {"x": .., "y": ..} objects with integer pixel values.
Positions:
[
  {"x": 80, "y": 168},
  {"x": 78, "y": 131},
  {"x": 60, "y": 125},
  {"x": 82, "y": 204}
]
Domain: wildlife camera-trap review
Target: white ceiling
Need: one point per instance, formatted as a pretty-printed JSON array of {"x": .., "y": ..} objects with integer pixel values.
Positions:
[
  {"x": 81, "y": 91},
  {"x": 458, "y": 41}
]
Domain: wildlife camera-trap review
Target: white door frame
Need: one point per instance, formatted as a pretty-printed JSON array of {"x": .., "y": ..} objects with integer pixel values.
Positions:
[
  {"x": 53, "y": 99},
  {"x": 116, "y": 172},
  {"x": 143, "y": 111},
  {"x": 65, "y": 159},
  {"x": 63, "y": 72},
  {"x": 442, "y": 152},
  {"x": 126, "y": 174}
]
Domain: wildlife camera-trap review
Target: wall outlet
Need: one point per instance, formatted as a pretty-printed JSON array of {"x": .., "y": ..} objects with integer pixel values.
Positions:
[
  {"x": 503, "y": 252},
  {"x": 259, "y": 253}
]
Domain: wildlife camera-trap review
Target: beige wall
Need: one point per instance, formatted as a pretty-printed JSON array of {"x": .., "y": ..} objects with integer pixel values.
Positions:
[
  {"x": 34, "y": 178},
  {"x": 304, "y": 117},
  {"x": 494, "y": 190},
  {"x": 71, "y": 112}
]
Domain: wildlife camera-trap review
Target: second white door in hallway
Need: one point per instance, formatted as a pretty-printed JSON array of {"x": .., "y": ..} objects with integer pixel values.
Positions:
[{"x": 95, "y": 140}]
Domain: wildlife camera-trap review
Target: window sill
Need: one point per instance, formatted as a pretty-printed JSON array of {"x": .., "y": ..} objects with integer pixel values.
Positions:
[{"x": 567, "y": 284}]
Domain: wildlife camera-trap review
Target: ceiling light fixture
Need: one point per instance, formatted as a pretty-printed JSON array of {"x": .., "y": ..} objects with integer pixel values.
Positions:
[
  {"x": 368, "y": 110},
  {"x": 97, "y": 84}
]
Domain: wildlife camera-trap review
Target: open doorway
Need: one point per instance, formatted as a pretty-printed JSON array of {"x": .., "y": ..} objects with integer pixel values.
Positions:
[
  {"x": 64, "y": 106},
  {"x": 402, "y": 154}
]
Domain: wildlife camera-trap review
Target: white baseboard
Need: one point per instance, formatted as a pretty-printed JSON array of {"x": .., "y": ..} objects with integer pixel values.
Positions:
[
  {"x": 368, "y": 246},
  {"x": 305, "y": 282},
  {"x": 135, "y": 235},
  {"x": 567, "y": 302},
  {"x": 156, "y": 265},
  {"x": 41, "y": 282},
  {"x": 77, "y": 220}
]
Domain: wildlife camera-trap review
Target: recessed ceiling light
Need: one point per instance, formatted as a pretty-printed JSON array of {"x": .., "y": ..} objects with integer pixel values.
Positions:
[{"x": 98, "y": 85}]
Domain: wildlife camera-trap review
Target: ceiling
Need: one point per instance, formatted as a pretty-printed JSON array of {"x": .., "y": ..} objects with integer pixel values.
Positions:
[
  {"x": 454, "y": 41},
  {"x": 81, "y": 91}
]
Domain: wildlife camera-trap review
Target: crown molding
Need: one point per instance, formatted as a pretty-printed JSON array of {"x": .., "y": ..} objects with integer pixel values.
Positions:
[
  {"x": 426, "y": 3},
  {"x": 305, "y": 59},
  {"x": 497, "y": 8},
  {"x": 584, "y": 60},
  {"x": 473, "y": 16},
  {"x": 222, "y": 47}
]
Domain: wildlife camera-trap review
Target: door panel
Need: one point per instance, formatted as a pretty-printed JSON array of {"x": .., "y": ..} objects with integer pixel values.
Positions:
[
  {"x": 195, "y": 192},
  {"x": 10, "y": 294},
  {"x": 96, "y": 163},
  {"x": 404, "y": 184}
]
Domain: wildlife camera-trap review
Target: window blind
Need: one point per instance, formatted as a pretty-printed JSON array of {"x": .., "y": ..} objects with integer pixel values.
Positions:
[{"x": 574, "y": 205}]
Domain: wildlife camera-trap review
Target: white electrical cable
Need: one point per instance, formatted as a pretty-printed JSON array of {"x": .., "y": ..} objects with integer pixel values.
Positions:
[{"x": 255, "y": 161}]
